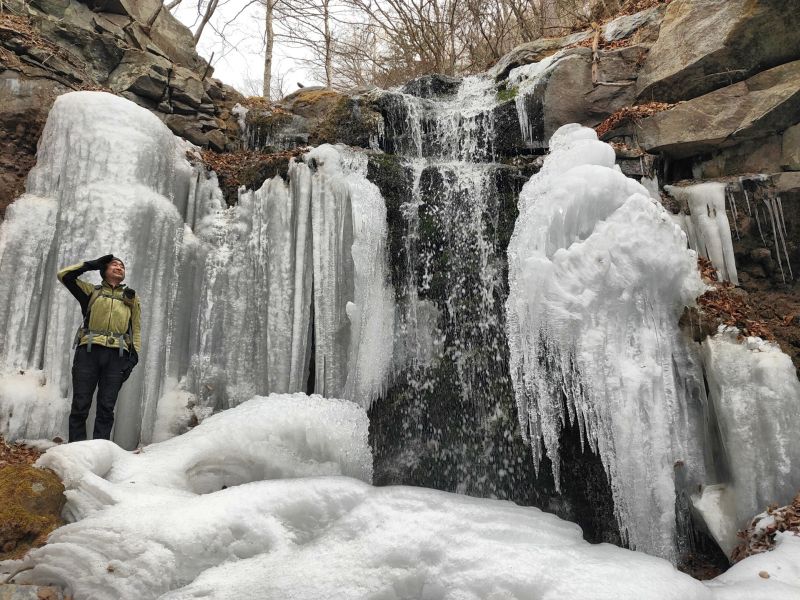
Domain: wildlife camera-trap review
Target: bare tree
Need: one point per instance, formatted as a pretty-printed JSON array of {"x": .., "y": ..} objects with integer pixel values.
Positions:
[
  {"x": 269, "y": 42},
  {"x": 210, "y": 8}
]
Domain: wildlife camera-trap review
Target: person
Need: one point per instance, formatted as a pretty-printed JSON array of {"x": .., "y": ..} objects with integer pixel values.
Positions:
[{"x": 108, "y": 342}]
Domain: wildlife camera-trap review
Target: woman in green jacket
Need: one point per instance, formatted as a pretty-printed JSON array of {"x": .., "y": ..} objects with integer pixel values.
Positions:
[{"x": 108, "y": 342}]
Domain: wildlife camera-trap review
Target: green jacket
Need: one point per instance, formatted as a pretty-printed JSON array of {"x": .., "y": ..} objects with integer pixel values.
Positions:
[{"x": 111, "y": 312}]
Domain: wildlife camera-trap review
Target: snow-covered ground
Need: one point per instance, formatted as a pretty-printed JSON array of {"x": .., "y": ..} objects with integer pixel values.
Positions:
[{"x": 273, "y": 500}]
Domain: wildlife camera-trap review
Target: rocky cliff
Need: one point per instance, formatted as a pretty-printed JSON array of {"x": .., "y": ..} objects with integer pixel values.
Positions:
[{"x": 133, "y": 48}]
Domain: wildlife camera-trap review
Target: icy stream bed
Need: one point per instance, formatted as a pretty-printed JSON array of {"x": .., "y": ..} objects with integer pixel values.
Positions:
[{"x": 272, "y": 499}]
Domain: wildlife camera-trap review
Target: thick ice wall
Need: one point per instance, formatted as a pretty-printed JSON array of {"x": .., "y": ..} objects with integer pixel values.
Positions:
[
  {"x": 103, "y": 175},
  {"x": 252, "y": 324},
  {"x": 756, "y": 396},
  {"x": 230, "y": 295},
  {"x": 281, "y": 280},
  {"x": 598, "y": 278}
]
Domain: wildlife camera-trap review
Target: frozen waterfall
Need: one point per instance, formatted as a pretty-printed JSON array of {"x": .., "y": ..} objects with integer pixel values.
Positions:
[
  {"x": 599, "y": 276},
  {"x": 237, "y": 301}
]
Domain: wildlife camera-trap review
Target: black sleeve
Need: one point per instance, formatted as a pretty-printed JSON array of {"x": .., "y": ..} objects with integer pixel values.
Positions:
[{"x": 70, "y": 281}]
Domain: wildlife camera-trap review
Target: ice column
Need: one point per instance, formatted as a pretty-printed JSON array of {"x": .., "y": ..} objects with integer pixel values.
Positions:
[
  {"x": 710, "y": 231},
  {"x": 599, "y": 276},
  {"x": 756, "y": 397}
]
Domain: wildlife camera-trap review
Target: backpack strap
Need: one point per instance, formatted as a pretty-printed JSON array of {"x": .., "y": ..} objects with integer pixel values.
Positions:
[{"x": 84, "y": 328}]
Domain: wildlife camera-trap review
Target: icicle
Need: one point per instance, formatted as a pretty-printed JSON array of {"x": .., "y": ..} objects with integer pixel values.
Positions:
[
  {"x": 732, "y": 202},
  {"x": 782, "y": 231},
  {"x": 746, "y": 195},
  {"x": 707, "y": 205},
  {"x": 775, "y": 234}
]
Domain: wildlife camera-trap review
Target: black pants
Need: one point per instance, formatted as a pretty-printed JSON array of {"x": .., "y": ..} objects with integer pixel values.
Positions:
[{"x": 102, "y": 368}]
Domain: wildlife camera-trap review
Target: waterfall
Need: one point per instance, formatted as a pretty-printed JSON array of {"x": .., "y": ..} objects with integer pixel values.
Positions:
[
  {"x": 452, "y": 425},
  {"x": 236, "y": 301}
]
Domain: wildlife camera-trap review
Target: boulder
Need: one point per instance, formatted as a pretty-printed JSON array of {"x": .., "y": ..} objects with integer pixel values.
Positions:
[
  {"x": 311, "y": 102},
  {"x": 141, "y": 73},
  {"x": 645, "y": 24},
  {"x": 704, "y": 45},
  {"x": 570, "y": 96},
  {"x": 187, "y": 128},
  {"x": 763, "y": 105},
  {"x": 531, "y": 52},
  {"x": 790, "y": 149}
]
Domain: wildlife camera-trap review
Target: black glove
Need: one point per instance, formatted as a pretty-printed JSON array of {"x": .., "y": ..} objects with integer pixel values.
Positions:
[
  {"x": 99, "y": 264},
  {"x": 133, "y": 360}
]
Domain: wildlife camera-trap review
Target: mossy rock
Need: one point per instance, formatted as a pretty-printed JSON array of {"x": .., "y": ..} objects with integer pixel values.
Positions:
[
  {"x": 31, "y": 501},
  {"x": 312, "y": 102},
  {"x": 350, "y": 121}
]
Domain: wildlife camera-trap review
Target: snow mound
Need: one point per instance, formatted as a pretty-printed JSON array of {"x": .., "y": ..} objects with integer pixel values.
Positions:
[{"x": 274, "y": 437}]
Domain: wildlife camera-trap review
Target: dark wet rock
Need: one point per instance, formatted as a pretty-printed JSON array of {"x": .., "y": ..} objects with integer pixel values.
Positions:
[{"x": 432, "y": 86}]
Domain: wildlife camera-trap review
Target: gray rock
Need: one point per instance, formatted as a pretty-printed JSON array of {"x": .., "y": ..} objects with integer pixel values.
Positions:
[
  {"x": 185, "y": 86},
  {"x": 571, "y": 97},
  {"x": 626, "y": 25},
  {"x": 764, "y": 105},
  {"x": 790, "y": 149},
  {"x": 98, "y": 53},
  {"x": 216, "y": 140},
  {"x": 534, "y": 51},
  {"x": 141, "y": 73},
  {"x": 704, "y": 45},
  {"x": 187, "y": 128}
]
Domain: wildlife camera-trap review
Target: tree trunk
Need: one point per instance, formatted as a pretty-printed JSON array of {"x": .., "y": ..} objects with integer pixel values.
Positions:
[
  {"x": 210, "y": 8},
  {"x": 269, "y": 38},
  {"x": 328, "y": 45}
]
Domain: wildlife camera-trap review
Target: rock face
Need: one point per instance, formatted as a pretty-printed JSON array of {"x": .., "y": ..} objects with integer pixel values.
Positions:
[
  {"x": 707, "y": 44},
  {"x": 764, "y": 105},
  {"x": 133, "y": 48}
]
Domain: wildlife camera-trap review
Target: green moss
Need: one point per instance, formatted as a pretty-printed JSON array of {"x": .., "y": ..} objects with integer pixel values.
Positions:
[
  {"x": 31, "y": 501},
  {"x": 349, "y": 122},
  {"x": 507, "y": 93}
]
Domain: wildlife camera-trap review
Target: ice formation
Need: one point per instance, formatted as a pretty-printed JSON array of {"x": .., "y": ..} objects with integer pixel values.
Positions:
[
  {"x": 707, "y": 226},
  {"x": 530, "y": 81},
  {"x": 756, "y": 397},
  {"x": 236, "y": 301},
  {"x": 599, "y": 276},
  {"x": 271, "y": 500}
]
